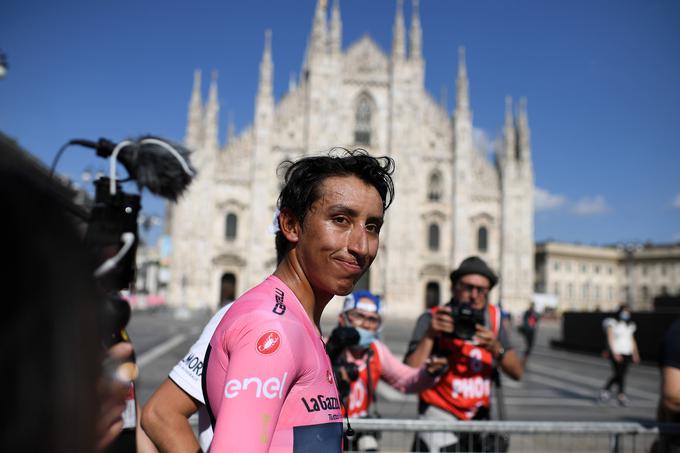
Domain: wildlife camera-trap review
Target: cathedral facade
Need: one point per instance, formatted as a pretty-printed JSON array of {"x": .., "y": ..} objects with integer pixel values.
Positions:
[{"x": 451, "y": 200}]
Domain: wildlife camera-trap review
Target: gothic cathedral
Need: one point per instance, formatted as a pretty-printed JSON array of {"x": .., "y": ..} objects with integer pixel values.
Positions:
[{"x": 451, "y": 201}]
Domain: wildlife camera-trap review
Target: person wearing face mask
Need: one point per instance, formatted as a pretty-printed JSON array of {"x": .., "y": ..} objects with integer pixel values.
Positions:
[
  {"x": 622, "y": 350},
  {"x": 360, "y": 360}
]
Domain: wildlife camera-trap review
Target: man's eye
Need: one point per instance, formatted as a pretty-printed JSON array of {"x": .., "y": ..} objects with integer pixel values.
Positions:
[
  {"x": 340, "y": 220},
  {"x": 373, "y": 228}
]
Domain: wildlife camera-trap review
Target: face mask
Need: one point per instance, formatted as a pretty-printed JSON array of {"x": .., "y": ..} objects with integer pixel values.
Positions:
[
  {"x": 624, "y": 316},
  {"x": 366, "y": 337}
]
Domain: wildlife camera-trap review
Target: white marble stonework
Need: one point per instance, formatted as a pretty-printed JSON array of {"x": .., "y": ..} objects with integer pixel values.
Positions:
[{"x": 359, "y": 96}]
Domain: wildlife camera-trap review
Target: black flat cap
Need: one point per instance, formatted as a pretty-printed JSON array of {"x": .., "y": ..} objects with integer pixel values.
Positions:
[{"x": 474, "y": 265}]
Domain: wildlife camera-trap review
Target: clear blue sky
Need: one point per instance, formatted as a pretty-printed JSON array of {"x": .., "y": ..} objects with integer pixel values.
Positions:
[{"x": 602, "y": 80}]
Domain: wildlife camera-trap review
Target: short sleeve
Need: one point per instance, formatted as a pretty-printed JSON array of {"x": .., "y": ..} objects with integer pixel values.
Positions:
[
  {"x": 504, "y": 338},
  {"x": 419, "y": 331}
]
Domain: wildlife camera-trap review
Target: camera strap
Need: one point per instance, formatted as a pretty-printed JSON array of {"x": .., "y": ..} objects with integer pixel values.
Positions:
[{"x": 372, "y": 400}]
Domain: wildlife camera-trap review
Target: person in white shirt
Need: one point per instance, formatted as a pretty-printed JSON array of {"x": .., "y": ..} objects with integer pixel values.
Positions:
[
  {"x": 165, "y": 418},
  {"x": 622, "y": 350}
]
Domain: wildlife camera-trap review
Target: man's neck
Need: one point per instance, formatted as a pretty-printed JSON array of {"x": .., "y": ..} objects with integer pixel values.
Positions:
[{"x": 290, "y": 272}]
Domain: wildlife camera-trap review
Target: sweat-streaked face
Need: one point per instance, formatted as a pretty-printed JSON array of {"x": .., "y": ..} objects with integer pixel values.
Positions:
[{"x": 339, "y": 237}]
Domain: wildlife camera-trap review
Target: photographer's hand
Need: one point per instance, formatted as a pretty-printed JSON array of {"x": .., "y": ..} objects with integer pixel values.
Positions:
[
  {"x": 442, "y": 322},
  {"x": 436, "y": 366},
  {"x": 487, "y": 339}
]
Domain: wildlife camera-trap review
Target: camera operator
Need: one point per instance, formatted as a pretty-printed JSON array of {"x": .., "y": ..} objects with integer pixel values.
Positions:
[
  {"x": 467, "y": 331},
  {"x": 360, "y": 360}
]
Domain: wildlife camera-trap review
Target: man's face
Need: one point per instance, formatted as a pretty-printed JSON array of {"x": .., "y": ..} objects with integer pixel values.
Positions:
[
  {"x": 472, "y": 289},
  {"x": 366, "y": 319},
  {"x": 338, "y": 240}
]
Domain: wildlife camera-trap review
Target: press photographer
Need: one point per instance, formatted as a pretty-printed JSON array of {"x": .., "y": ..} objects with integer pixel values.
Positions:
[
  {"x": 469, "y": 333},
  {"x": 360, "y": 360}
]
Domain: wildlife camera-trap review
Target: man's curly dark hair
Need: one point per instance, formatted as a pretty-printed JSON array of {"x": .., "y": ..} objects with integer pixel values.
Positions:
[{"x": 303, "y": 178}]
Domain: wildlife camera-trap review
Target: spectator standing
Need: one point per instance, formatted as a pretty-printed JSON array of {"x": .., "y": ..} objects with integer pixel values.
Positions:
[
  {"x": 622, "y": 350},
  {"x": 529, "y": 327}
]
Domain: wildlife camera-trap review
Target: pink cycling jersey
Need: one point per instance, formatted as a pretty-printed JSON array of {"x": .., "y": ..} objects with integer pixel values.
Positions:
[{"x": 268, "y": 380}]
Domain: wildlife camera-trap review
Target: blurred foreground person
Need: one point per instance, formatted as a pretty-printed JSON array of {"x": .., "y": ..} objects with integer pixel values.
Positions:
[
  {"x": 360, "y": 360},
  {"x": 669, "y": 401},
  {"x": 57, "y": 398},
  {"x": 268, "y": 381},
  {"x": 469, "y": 333},
  {"x": 622, "y": 350}
]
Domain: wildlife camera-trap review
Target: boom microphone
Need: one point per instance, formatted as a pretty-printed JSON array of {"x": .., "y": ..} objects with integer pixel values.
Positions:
[{"x": 160, "y": 165}]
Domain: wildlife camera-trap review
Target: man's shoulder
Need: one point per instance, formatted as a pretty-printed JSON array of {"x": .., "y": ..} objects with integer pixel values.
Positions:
[{"x": 269, "y": 296}]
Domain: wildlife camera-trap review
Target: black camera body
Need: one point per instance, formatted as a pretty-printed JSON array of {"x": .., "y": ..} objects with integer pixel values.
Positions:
[
  {"x": 465, "y": 319},
  {"x": 342, "y": 338}
]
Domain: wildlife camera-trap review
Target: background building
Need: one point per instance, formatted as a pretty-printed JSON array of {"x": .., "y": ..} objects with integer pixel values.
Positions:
[
  {"x": 587, "y": 277},
  {"x": 451, "y": 200}
]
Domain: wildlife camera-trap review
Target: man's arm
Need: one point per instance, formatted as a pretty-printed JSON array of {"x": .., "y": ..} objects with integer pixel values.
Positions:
[
  {"x": 670, "y": 389},
  {"x": 427, "y": 330},
  {"x": 512, "y": 365},
  {"x": 501, "y": 348},
  {"x": 404, "y": 378},
  {"x": 165, "y": 419}
]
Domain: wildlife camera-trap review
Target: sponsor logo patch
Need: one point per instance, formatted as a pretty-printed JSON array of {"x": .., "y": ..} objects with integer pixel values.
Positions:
[
  {"x": 269, "y": 342},
  {"x": 321, "y": 403},
  {"x": 279, "y": 306},
  {"x": 270, "y": 388}
]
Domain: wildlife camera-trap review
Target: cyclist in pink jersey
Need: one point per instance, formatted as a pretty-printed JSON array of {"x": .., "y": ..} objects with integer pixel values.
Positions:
[{"x": 268, "y": 382}]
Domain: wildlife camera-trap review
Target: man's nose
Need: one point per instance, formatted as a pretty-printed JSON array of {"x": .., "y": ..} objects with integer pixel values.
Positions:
[{"x": 358, "y": 241}]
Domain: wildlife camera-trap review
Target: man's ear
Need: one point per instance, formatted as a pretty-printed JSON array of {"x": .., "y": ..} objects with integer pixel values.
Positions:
[
  {"x": 341, "y": 320},
  {"x": 290, "y": 226}
]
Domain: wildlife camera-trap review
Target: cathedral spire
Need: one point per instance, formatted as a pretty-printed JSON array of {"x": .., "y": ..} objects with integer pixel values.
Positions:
[
  {"x": 212, "y": 110},
  {"x": 509, "y": 134},
  {"x": 335, "y": 38},
  {"x": 231, "y": 128},
  {"x": 398, "y": 33},
  {"x": 462, "y": 94},
  {"x": 416, "y": 51},
  {"x": 318, "y": 38},
  {"x": 265, "y": 88},
  {"x": 194, "y": 126},
  {"x": 523, "y": 132}
]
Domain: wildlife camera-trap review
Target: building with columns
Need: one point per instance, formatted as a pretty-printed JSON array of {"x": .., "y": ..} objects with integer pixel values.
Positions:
[
  {"x": 588, "y": 277},
  {"x": 451, "y": 200}
]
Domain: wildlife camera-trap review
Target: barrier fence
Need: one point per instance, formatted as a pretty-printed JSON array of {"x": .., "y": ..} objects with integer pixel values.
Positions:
[{"x": 516, "y": 436}]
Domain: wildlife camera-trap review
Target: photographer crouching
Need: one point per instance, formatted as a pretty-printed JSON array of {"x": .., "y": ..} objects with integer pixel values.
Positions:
[
  {"x": 467, "y": 331},
  {"x": 360, "y": 360}
]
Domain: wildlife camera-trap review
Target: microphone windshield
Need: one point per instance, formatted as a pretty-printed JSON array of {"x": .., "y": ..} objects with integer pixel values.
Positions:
[{"x": 160, "y": 165}]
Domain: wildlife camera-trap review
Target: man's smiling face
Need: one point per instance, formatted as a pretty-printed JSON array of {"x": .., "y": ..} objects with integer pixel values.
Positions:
[{"x": 339, "y": 235}]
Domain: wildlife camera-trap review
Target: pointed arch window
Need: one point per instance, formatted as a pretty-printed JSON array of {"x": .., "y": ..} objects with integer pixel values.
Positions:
[
  {"x": 432, "y": 295},
  {"x": 231, "y": 226},
  {"x": 482, "y": 239},
  {"x": 433, "y": 237},
  {"x": 362, "y": 118},
  {"x": 227, "y": 289},
  {"x": 434, "y": 187}
]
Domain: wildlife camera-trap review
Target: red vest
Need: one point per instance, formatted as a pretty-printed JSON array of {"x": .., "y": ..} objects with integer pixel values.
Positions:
[
  {"x": 466, "y": 386},
  {"x": 359, "y": 399}
]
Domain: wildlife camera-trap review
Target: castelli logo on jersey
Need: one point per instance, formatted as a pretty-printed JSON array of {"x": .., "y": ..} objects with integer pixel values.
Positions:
[{"x": 268, "y": 342}]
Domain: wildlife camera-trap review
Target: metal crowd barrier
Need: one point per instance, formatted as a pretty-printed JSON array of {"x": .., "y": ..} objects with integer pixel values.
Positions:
[{"x": 522, "y": 436}]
